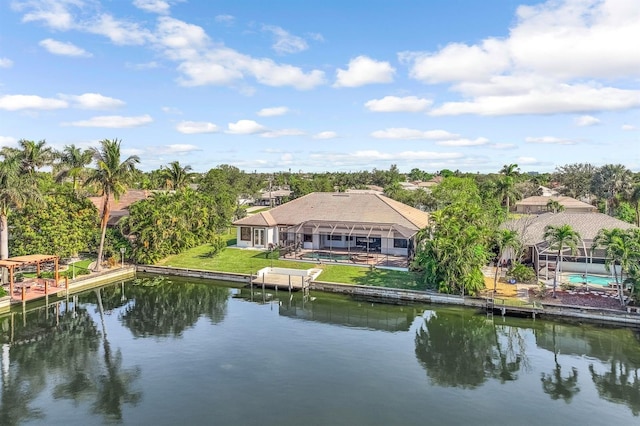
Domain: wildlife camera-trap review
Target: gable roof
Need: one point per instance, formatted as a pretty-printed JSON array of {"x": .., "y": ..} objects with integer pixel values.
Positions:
[
  {"x": 531, "y": 227},
  {"x": 125, "y": 200},
  {"x": 566, "y": 202},
  {"x": 341, "y": 207}
]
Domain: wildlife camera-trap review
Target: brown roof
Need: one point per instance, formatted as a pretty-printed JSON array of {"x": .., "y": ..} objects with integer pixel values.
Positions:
[
  {"x": 531, "y": 227},
  {"x": 341, "y": 207},
  {"x": 125, "y": 200},
  {"x": 566, "y": 202}
]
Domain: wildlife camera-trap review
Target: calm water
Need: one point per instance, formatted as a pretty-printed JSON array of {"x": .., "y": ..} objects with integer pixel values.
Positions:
[{"x": 192, "y": 353}]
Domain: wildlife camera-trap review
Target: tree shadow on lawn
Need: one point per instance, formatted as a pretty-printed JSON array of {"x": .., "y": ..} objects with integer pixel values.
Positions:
[{"x": 392, "y": 279}]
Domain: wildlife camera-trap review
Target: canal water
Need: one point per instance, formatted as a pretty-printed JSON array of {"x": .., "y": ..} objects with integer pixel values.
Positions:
[{"x": 154, "y": 352}]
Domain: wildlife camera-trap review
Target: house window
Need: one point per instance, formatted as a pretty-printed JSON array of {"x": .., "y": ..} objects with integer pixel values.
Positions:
[
  {"x": 335, "y": 237},
  {"x": 307, "y": 238},
  {"x": 399, "y": 243},
  {"x": 350, "y": 238},
  {"x": 245, "y": 233}
]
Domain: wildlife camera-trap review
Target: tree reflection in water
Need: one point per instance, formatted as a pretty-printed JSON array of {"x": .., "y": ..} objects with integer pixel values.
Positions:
[
  {"x": 172, "y": 307},
  {"x": 460, "y": 349},
  {"x": 553, "y": 384}
]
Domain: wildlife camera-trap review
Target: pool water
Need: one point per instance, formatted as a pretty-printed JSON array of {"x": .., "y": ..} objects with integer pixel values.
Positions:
[
  {"x": 325, "y": 256},
  {"x": 591, "y": 279}
]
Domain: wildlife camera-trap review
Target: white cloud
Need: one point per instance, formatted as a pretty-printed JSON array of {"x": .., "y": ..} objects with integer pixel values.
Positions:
[
  {"x": 397, "y": 104},
  {"x": 286, "y": 158},
  {"x": 175, "y": 149},
  {"x": 54, "y": 14},
  {"x": 202, "y": 63},
  {"x": 93, "y": 101},
  {"x": 6, "y": 63},
  {"x": 171, "y": 110},
  {"x": 363, "y": 70},
  {"x": 64, "y": 49},
  {"x": 153, "y": 6},
  {"x": 113, "y": 121},
  {"x": 282, "y": 132},
  {"x": 527, "y": 160},
  {"x": 285, "y": 42},
  {"x": 273, "y": 111},
  {"x": 245, "y": 127},
  {"x": 464, "y": 142},
  {"x": 325, "y": 135},
  {"x": 549, "y": 63},
  {"x": 553, "y": 99},
  {"x": 586, "y": 120},
  {"x": 374, "y": 155},
  {"x": 118, "y": 31},
  {"x": 225, "y": 19},
  {"x": 411, "y": 134},
  {"x": 19, "y": 102},
  {"x": 8, "y": 141},
  {"x": 142, "y": 66},
  {"x": 552, "y": 140},
  {"x": 503, "y": 146},
  {"x": 194, "y": 127},
  {"x": 628, "y": 127}
]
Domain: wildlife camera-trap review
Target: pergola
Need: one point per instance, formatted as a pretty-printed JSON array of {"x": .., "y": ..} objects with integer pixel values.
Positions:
[{"x": 33, "y": 259}]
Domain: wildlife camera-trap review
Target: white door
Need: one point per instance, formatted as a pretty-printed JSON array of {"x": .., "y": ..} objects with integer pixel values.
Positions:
[{"x": 258, "y": 237}]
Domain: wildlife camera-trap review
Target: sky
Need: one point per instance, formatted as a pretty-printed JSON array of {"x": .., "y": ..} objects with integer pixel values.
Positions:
[{"x": 327, "y": 85}]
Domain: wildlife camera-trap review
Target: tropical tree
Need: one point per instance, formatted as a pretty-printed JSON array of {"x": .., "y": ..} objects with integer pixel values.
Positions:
[
  {"x": 111, "y": 175},
  {"x": 506, "y": 183},
  {"x": 176, "y": 177},
  {"x": 72, "y": 164},
  {"x": 554, "y": 206},
  {"x": 634, "y": 198},
  {"x": 622, "y": 251},
  {"x": 505, "y": 239},
  {"x": 16, "y": 188},
  {"x": 575, "y": 179},
  {"x": 609, "y": 181},
  {"x": 34, "y": 155},
  {"x": 559, "y": 238}
]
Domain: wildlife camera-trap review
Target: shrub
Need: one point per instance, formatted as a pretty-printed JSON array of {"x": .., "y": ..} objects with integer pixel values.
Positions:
[
  {"x": 217, "y": 246},
  {"x": 3, "y": 292},
  {"x": 521, "y": 273}
]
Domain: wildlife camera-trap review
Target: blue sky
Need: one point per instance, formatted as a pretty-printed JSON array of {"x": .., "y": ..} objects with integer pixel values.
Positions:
[{"x": 327, "y": 85}]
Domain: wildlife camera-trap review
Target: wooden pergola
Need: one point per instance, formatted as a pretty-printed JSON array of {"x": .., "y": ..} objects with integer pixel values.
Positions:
[{"x": 33, "y": 259}]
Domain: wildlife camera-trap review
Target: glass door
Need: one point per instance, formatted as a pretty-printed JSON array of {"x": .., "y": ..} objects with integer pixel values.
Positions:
[{"x": 258, "y": 237}]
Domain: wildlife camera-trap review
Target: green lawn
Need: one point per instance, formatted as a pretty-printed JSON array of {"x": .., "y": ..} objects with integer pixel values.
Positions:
[{"x": 249, "y": 261}]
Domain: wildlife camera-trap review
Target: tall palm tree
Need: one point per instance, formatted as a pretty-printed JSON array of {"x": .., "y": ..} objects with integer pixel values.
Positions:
[
  {"x": 609, "y": 181},
  {"x": 505, "y": 239},
  {"x": 555, "y": 206},
  {"x": 634, "y": 199},
  {"x": 622, "y": 249},
  {"x": 73, "y": 162},
  {"x": 559, "y": 238},
  {"x": 507, "y": 182},
  {"x": 176, "y": 176},
  {"x": 34, "y": 155},
  {"x": 16, "y": 188},
  {"x": 111, "y": 176}
]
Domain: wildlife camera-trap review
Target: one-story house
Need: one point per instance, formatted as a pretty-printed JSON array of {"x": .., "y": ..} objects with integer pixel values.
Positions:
[
  {"x": 585, "y": 261},
  {"x": 120, "y": 208},
  {"x": 538, "y": 204},
  {"x": 347, "y": 222}
]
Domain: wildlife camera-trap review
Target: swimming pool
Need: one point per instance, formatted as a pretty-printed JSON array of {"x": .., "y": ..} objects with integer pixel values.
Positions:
[
  {"x": 325, "y": 256},
  {"x": 591, "y": 279}
]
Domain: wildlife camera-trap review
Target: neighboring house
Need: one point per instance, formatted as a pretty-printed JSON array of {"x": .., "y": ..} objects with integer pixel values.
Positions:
[
  {"x": 272, "y": 198},
  {"x": 537, "y": 252},
  {"x": 358, "y": 222},
  {"x": 538, "y": 204},
  {"x": 120, "y": 208}
]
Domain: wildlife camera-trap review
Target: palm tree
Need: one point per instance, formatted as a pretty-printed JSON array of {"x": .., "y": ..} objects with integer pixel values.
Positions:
[
  {"x": 34, "y": 155},
  {"x": 555, "y": 206},
  {"x": 609, "y": 181},
  {"x": 111, "y": 176},
  {"x": 634, "y": 199},
  {"x": 505, "y": 239},
  {"x": 560, "y": 237},
  {"x": 16, "y": 188},
  {"x": 176, "y": 176},
  {"x": 622, "y": 248},
  {"x": 507, "y": 182},
  {"x": 72, "y": 164}
]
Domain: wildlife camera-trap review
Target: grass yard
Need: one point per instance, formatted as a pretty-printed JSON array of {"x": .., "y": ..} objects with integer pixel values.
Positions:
[{"x": 249, "y": 261}]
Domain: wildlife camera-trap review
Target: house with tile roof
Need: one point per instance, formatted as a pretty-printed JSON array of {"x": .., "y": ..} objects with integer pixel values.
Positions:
[
  {"x": 538, "y": 204},
  {"x": 120, "y": 207},
  {"x": 348, "y": 222},
  {"x": 585, "y": 261}
]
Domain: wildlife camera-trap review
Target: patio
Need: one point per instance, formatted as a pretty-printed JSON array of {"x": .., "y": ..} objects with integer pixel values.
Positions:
[{"x": 357, "y": 257}]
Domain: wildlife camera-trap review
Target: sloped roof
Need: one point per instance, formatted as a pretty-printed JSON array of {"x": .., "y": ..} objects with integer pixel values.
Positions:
[
  {"x": 125, "y": 200},
  {"x": 531, "y": 227},
  {"x": 566, "y": 202},
  {"x": 341, "y": 207}
]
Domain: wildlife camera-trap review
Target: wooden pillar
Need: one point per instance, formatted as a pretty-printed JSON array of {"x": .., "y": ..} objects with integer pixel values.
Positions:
[
  {"x": 11, "y": 280},
  {"x": 57, "y": 274},
  {"x": 38, "y": 269}
]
